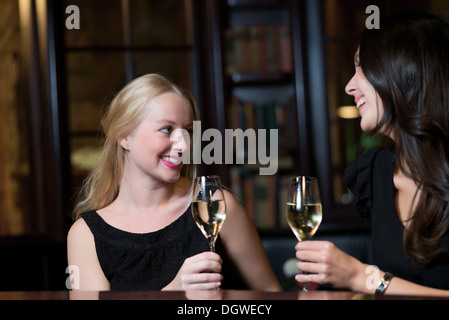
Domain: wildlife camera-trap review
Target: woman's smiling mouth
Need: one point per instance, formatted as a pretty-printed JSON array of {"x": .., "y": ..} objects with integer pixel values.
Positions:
[
  {"x": 361, "y": 101},
  {"x": 171, "y": 162}
]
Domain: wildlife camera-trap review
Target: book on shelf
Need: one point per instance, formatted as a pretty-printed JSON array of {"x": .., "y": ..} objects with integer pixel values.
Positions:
[
  {"x": 259, "y": 49},
  {"x": 263, "y": 197},
  {"x": 271, "y": 115}
]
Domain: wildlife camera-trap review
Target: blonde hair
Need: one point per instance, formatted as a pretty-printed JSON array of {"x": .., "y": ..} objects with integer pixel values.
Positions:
[{"x": 124, "y": 114}]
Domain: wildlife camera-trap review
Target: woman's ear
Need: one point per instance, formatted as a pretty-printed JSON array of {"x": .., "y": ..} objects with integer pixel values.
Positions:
[{"x": 124, "y": 143}]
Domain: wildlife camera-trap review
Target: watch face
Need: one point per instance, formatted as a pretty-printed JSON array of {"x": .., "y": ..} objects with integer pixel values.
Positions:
[{"x": 383, "y": 284}]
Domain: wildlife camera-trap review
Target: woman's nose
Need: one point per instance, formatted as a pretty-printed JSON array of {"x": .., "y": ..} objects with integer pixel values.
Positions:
[
  {"x": 180, "y": 138},
  {"x": 350, "y": 87}
]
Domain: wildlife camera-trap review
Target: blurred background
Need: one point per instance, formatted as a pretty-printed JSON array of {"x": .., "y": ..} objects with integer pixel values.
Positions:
[{"x": 262, "y": 64}]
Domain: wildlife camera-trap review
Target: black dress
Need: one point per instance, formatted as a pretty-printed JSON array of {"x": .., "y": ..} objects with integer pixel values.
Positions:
[
  {"x": 151, "y": 261},
  {"x": 370, "y": 178}
]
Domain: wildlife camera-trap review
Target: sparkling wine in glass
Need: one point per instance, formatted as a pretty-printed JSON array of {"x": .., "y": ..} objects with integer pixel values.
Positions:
[
  {"x": 304, "y": 210},
  {"x": 209, "y": 207}
]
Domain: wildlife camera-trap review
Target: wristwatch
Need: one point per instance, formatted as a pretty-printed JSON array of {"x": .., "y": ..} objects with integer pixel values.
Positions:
[{"x": 383, "y": 284}]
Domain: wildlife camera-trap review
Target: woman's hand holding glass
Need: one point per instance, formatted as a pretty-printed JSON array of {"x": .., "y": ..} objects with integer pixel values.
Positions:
[
  {"x": 304, "y": 210},
  {"x": 200, "y": 272},
  {"x": 321, "y": 262}
]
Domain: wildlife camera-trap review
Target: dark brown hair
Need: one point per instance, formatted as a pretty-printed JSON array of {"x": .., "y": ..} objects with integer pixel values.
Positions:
[{"x": 407, "y": 63}]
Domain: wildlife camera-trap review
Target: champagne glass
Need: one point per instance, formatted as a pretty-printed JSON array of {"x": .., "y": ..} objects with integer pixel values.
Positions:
[
  {"x": 304, "y": 210},
  {"x": 208, "y": 207}
]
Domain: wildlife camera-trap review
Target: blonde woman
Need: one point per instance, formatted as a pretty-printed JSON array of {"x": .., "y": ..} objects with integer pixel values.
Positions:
[{"x": 133, "y": 226}]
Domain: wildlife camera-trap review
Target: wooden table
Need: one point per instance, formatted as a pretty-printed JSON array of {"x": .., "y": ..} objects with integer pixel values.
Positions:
[{"x": 220, "y": 295}]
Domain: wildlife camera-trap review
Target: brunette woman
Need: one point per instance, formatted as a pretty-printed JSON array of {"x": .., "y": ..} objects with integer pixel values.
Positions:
[{"x": 401, "y": 88}]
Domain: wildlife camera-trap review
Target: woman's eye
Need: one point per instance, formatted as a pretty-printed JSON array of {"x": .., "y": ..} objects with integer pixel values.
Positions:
[
  {"x": 166, "y": 130},
  {"x": 357, "y": 61}
]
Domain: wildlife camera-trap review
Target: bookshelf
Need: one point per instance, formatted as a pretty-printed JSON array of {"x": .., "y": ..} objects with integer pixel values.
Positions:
[
  {"x": 262, "y": 91},
  {"x": 284, "y": 66},
  {"x": 260, "y": 49}
]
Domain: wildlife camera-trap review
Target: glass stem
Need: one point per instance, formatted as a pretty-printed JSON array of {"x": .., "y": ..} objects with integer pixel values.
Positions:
[
  {"x": 304, "y": 287},
  {"x": 212, "y": 244}
]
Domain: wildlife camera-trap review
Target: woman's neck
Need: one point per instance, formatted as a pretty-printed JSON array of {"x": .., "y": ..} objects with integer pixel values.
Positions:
[{"x": 140, "y": 209}]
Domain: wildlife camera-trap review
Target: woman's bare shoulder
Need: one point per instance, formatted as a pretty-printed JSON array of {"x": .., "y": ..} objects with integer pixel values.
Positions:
[{"x": 79, "y": 232}]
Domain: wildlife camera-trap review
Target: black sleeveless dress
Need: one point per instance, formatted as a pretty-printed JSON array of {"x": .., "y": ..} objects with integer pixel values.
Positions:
[
  {"x": 151, "y": 261},
  {"x": 370, "y": 178}
]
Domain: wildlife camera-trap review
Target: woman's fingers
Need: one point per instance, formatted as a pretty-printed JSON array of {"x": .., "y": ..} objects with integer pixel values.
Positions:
[
  {"x": 203, "y": 278},
  {"x": 325, "y": 264},
  {"x": 201, "y": 272},
  {"x": 204, "y": 262}
]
